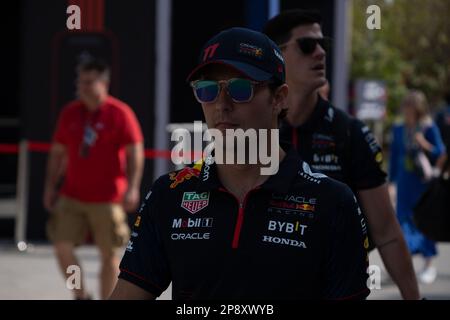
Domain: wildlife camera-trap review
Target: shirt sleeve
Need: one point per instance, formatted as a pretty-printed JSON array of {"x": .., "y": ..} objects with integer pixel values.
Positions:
[
  {"x": 346, "y": 261},
  {"x": 366, "y": 158},
  {"x": 433, "y": 135},
  {"x": 145, "y": 263},
  {"x": 131, "y": 130},
  {"x": 61, "y": 134}
]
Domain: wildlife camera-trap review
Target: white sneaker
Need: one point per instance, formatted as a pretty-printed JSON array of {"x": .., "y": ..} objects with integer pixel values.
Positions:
[{"x": 428, "y": 275}]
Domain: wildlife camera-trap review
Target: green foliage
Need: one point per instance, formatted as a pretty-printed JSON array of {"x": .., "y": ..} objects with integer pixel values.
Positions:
[{"x": 412, "y": 49}]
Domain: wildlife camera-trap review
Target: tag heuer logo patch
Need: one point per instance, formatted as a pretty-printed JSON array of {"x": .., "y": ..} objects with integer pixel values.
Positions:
[{"x": 194, "y": 202}]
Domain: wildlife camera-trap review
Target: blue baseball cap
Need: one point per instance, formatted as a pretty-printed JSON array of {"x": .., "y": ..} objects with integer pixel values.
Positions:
[{"x": 245, "y": 50}]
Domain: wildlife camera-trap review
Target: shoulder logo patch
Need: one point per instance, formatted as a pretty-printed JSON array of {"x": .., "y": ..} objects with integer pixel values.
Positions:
[
  {"x": 309, "y": 175},
  {"x": 308, "y": 171},
  {"x": 181, "y": 176}
]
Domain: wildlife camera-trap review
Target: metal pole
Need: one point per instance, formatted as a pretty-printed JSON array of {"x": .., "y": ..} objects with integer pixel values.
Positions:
[
  {"x": 274, "y": 8},
  {"x": 22, "y": 197},
  {"x": 162, "y": 87},
  {"x": 341, "y": 46}
]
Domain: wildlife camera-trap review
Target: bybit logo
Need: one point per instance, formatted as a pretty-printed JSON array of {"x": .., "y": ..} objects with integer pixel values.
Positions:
[{"x": 287, "y": 227}]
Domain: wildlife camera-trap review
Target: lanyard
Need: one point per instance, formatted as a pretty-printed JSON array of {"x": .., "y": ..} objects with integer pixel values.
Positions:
[{"x": 90, "y": 134}]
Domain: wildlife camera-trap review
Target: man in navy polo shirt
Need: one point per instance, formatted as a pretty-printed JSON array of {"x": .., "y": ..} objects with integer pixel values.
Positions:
[
  {"x": 334, "y": 143},
  {"x": 226, "y": 231}
]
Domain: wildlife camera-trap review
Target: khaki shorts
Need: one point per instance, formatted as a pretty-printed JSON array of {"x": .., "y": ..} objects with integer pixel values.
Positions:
[{"x": 72, "y": 220}]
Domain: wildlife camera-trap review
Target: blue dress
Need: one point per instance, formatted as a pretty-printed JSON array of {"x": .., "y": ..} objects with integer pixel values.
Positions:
[{"x": 410, "y": 185}]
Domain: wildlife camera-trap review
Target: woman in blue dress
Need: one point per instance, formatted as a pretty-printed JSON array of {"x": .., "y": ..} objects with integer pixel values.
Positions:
[{"x": 415, "y": 140}]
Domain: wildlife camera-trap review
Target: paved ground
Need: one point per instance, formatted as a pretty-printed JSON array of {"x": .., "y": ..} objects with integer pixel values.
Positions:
[
  {"x": 439, "y": 290},
  {"x": 34, "y": 275}
]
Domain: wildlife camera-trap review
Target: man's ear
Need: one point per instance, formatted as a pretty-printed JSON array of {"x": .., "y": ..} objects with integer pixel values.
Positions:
[
  {"x": 106, "y": 82},
  {"x": 280, "y": 98}
]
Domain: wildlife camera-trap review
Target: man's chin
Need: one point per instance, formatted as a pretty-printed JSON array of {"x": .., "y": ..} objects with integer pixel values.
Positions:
[
  {"x": 319, "y": 82},
  {"x": 313, "y": 84}
]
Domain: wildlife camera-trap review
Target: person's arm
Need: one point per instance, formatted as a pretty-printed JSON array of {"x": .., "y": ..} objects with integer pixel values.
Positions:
[
  {"x": 345, "y": 251},
  {"x": 126, "y": 290},
  {"x": 441, "y": 162},
  {"x": 56, "y": 167},
  {"x": 431, "y": 141},
  {"x": 388, "y": 238},
  {"x": 372, "y": 190},
  {"x": 145, "y": 264},
  {"x": 424, "y": 143},
  {"x": 135, "y": 168}
]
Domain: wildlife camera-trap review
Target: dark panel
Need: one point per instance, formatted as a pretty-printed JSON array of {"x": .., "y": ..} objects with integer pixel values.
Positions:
[
  {"x": 134, "y": 26},
  {"x": 6, "y": 229},
  {"x": 256, "y": 13},
  {"x": 37, "y": 215},
  {"x": 41, "y": 22},
  {"x": 9, "y": 109},
  {"x": 10, "y": 35},
  {"x": 193, "y": 23},
  {"x": 9, "y": 96}
]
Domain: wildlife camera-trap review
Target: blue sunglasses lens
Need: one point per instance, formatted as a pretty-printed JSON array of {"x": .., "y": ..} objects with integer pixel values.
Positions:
[
  {"x": 206, "y": 90},
  {"x": 240, "y": 90}
]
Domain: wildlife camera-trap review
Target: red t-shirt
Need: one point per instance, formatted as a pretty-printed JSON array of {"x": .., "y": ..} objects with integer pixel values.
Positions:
[{"x": 97, "y": 173}]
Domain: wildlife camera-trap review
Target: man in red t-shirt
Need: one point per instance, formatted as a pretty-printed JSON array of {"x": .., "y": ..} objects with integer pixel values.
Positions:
[{"x": 98, "y": 149}]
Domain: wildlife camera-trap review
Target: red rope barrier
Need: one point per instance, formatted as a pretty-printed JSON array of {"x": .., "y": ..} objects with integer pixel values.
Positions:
[
  {"x": 37, "y": 146},
  {"x": 9, "y": 148},
  {"x": 152, "y": 154}
]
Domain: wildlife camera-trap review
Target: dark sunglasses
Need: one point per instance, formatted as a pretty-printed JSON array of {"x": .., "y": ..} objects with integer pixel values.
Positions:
[
  {"x": 308, "y": 45},
  {"x": 240, "y": 90}
]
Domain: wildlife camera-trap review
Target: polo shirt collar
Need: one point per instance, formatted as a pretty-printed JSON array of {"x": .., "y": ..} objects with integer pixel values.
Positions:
[
  {"x": 280, "y": 182},
  {"x": 319, "y": 112}
]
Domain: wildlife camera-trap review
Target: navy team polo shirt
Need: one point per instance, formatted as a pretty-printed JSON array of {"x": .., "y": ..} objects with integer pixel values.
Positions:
[{"x": 299, "y": 235}]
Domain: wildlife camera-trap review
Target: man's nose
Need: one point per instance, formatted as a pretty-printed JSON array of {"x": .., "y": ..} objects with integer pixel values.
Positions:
[
  {"x": 319, "y": 52},
  {"x": 224, "y": 101}
]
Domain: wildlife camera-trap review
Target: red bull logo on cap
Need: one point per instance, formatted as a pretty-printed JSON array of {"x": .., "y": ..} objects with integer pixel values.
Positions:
[{"x": 250, "y": 50}]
